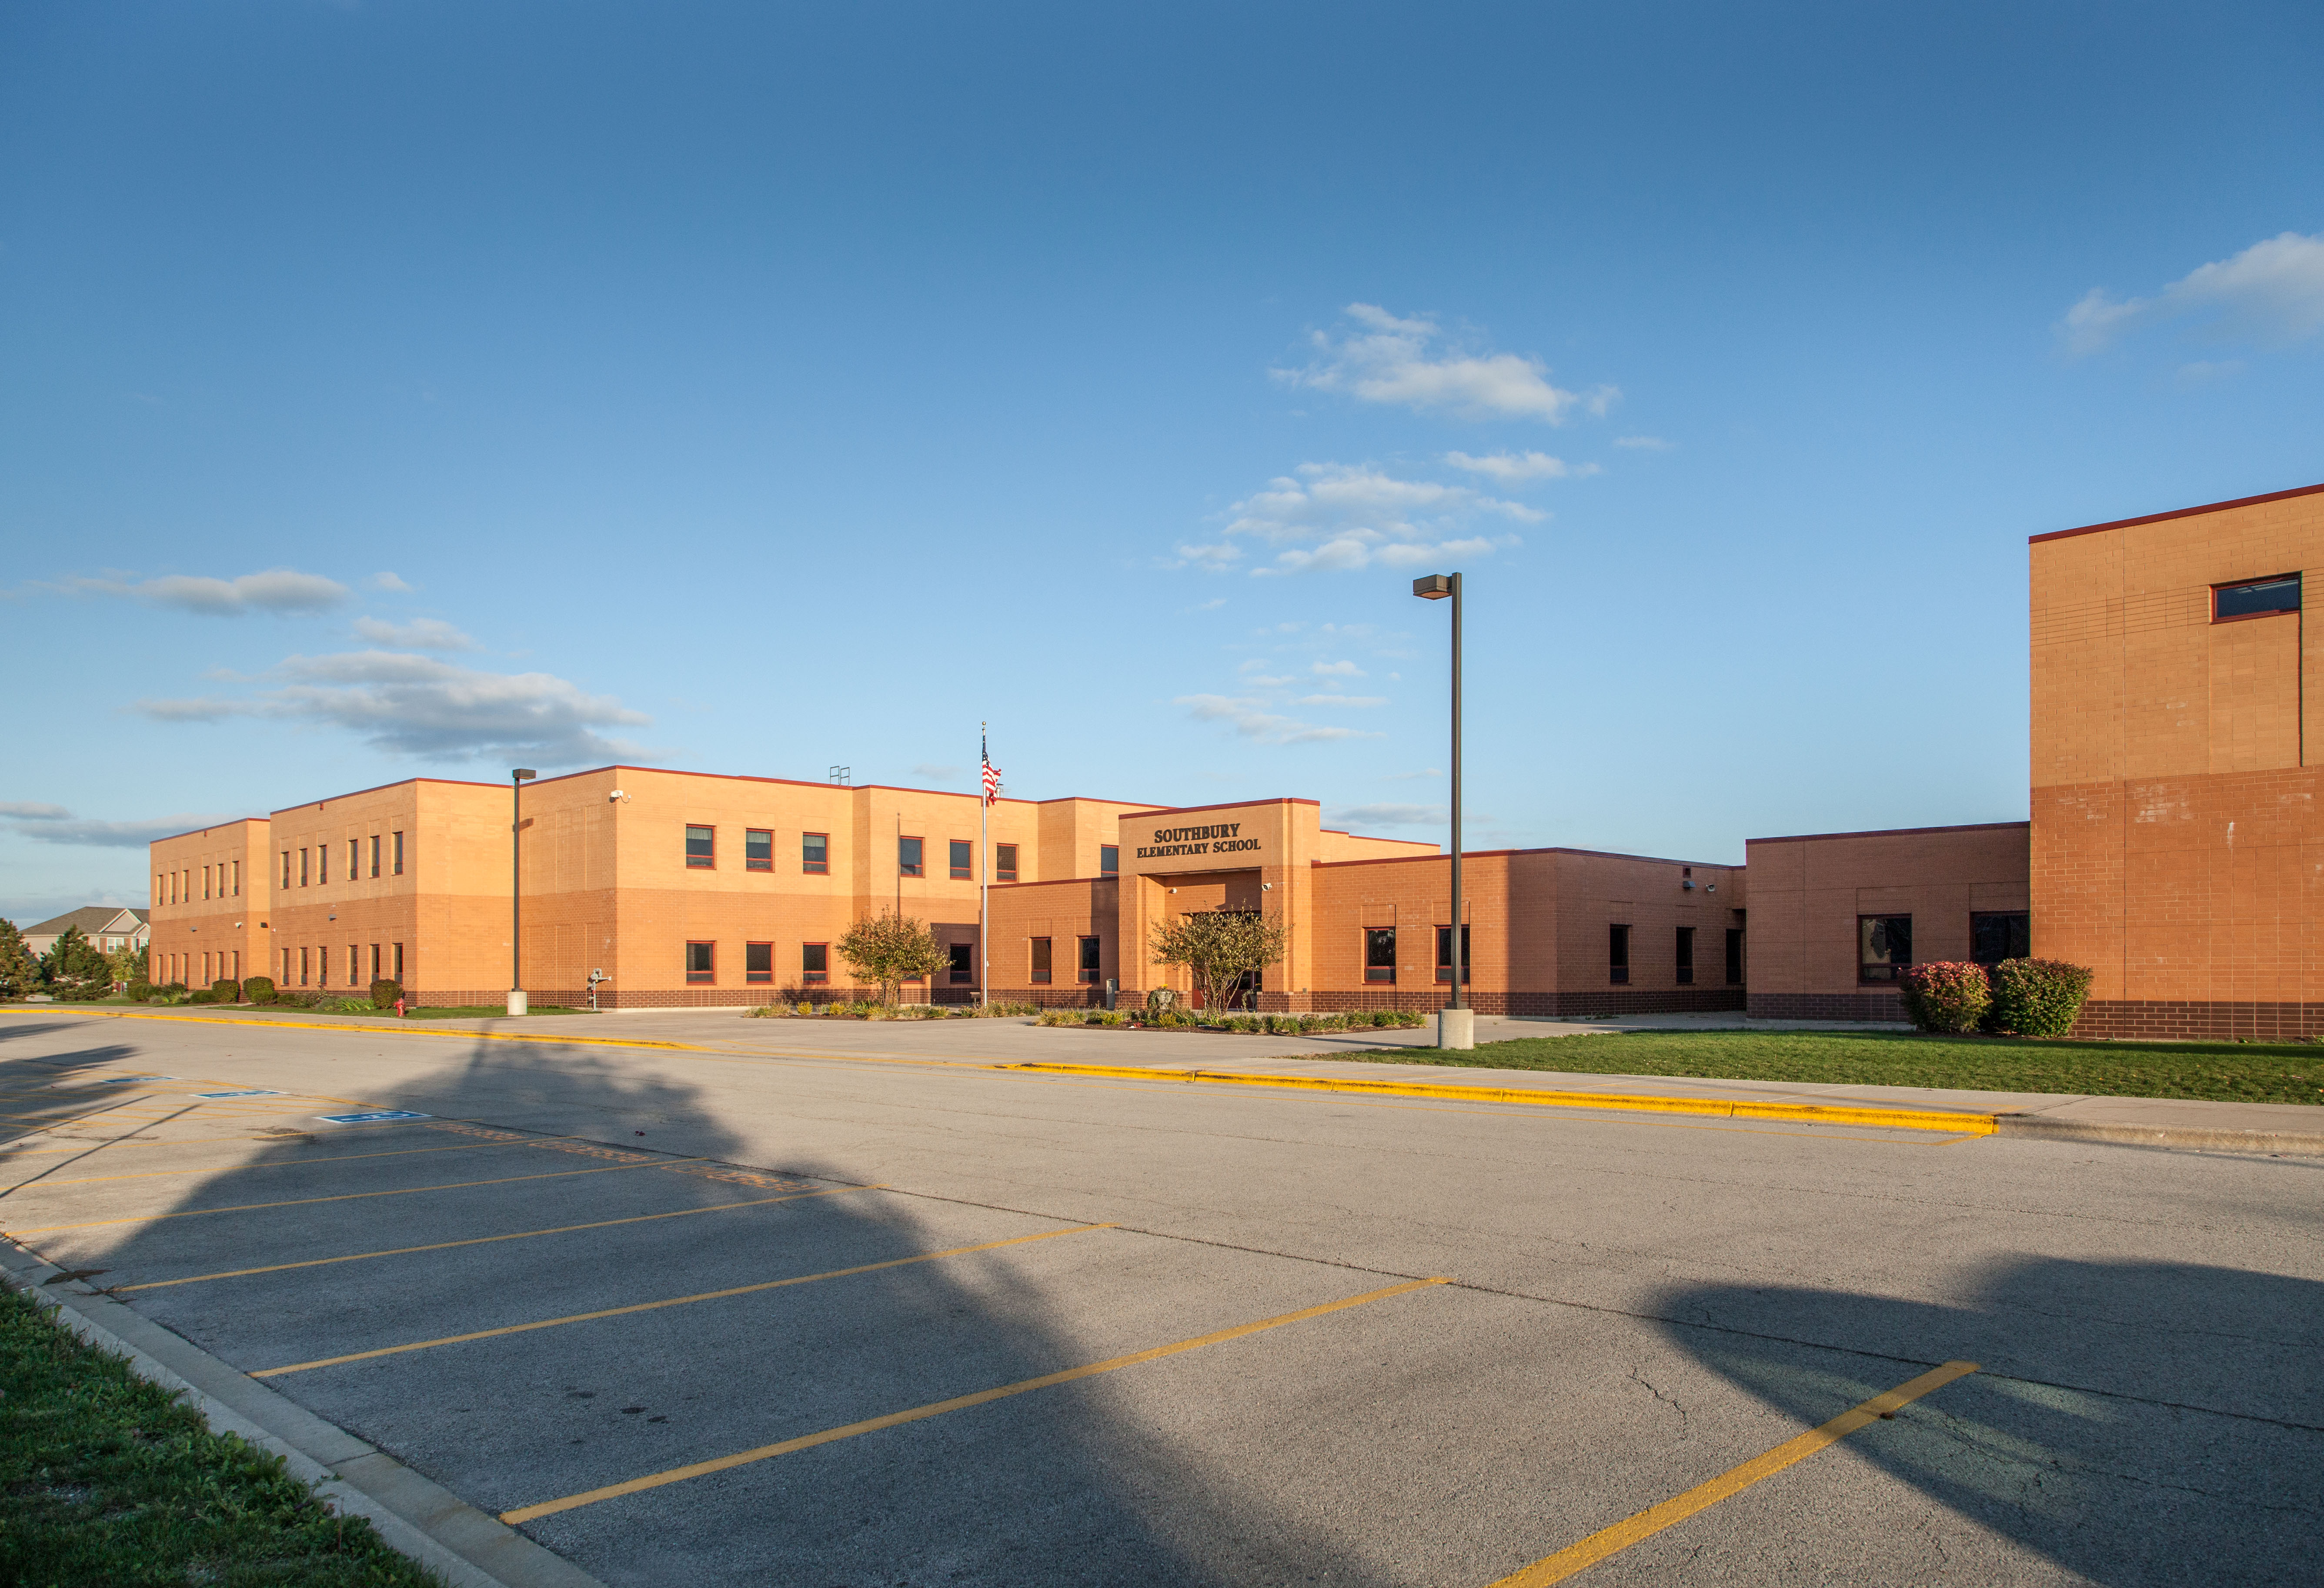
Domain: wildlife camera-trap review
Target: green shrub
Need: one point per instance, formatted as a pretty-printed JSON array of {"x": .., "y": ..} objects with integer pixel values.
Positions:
[
  {"x": 259, "y": 989},
  {"x": 2039, "y": 997},
  {"x": 204, "y": 996},
  {"x": 1946, "y": 995},
  {"x": 226, "y": 989},
  {"x": 139, "y": 992},
  {"x": 384, "y": 993}
]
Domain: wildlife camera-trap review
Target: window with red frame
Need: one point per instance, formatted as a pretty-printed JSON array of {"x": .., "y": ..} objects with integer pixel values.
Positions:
[
  {"x": 758, "y": 961},
  {"x": 814, "y": 853},
  {"x": 1041, "y": 971},
  {"x": 815, "y": 963},
  {"x": 701, "y": 848},
  {"x": 1004, "y": 863},
  {"x": 2255, "y": 598},
  {"x": 757, "y": 849},
  {"x": 907, "y": 858},
  {"x": 964, "y": 855},
  {"x": 701, "y": 961}
]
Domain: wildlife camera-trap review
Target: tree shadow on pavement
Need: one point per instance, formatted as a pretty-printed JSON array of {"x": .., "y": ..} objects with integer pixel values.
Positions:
[
  {"x": 1058, "y": 1485},
  {"x": 2134, "y": 1422}
]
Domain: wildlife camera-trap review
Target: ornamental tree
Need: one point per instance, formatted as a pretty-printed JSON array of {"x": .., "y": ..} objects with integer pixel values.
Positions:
[
  {"x": 20, "y": 972},
  {"x": 75, "y": 969},
  {"x": 890, "y": 949},
  {"x": 1220, "y": 947}
]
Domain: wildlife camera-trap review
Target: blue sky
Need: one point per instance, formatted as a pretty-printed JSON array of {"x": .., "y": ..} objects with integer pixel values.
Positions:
[{"x": 390, "y": 389}]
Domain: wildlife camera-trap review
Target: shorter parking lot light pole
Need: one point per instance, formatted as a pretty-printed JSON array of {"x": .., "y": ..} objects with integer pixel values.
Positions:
[
  {"x": 518, "y": 778},
  {"x": 1456, "y": 1022}
]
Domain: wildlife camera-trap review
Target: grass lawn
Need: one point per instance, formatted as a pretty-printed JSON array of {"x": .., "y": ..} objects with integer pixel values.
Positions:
[
  {"x": 106, "y": 1482},
  {"x": 2229, "y": 1071}
]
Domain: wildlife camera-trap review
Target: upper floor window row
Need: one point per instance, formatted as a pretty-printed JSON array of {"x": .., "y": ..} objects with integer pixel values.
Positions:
[
  {"x": 758, "y": 850},
  {"x": 315, "y": 864},
  {"x": 2255, "y": 598}
]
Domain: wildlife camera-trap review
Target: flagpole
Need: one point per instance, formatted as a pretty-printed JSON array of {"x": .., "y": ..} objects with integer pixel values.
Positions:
[{"x": 984, "y": 869}]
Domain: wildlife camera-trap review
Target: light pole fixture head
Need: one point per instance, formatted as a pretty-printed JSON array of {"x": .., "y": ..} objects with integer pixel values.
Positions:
[
  {"x": 524, "y": 774},
  {"x": 1432, "y": 587}
]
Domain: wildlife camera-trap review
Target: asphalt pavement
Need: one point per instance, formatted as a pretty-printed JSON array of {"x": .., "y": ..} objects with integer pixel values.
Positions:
[{"x": 788, "y": 1302}]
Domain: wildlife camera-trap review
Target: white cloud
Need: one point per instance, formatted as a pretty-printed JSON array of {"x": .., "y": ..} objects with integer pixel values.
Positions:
[
  {"x": 1387, "y": 816},
  {"x": 1218, "y": 559},
  {"x": 1337, "y": 669},
  {"x": 389, "y": 583},
  {"x": 418, "y": 706},
  {"x": 1252, "y": 720},
  {"x": 1644, "y": 443},
  {"x": 1341, "y": 700},
  {"x": 1347, "y": 516},
  {"x": 1213, "y": 605},
  {"x": 2271, "y": 293},
  {"x": 53, "y": 823},
  {"x": 1509, "y": 469},
  {"x": 422, "y": 633},
  {"x": 1400, "y": 361},
  {"x": 282, "y": 591}
]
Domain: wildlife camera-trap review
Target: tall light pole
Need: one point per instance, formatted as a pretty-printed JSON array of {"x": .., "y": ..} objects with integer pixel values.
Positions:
[
  {"x": 1456, "y": 1022},
  {"x": 518, "y": 778}
]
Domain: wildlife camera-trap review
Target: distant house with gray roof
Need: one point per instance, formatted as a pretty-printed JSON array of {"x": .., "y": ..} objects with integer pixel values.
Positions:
[{"x": 109, "y": 926}]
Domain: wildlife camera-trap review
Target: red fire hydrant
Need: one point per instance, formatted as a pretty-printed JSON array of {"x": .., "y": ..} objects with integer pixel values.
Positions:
[{"x": 399, "y": 1009}]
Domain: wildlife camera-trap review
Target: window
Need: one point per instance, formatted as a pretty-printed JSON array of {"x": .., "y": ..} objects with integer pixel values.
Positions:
[
  {"x": 286, "y": 868},
  {"x": 1734, "y": 957},
  {"x": 322, "y": 967},
  {"x": 2255, "y": 598},
  {"x": 1004, "y": 863},
  {"x": 1996, "y": 935},
  {"x": 758, "y": 961},
  {"x": 1380, "y": 954},
  {"x": 1091, "y": 961},
  {"x": 206, "y": 882},
  {"x": 355, "y": 858},
  {"x": 701, "y": 961},
  {"x": 814, "y": 853},
  {"x": 963, "y": 964},
  {"x": 815, "y": 963},
  {"x": 302, "y": 869},
  {"x": 302, "y": 967},
  {"x": 1884, "y": 946},
  {"x": 1686, "y": 958},
  {"x": 907, "y": 858},
  {"x": 399, "y": 853},
  {"x": 1108, "y": 860},
  {"x": 237, "y": 879},
  {"x": 757, "y": 849},
  {"x": 286, "y": 967},
  {"x": 355, "y": 964},
  {"x": 1040, "y": 971},
  {"x": 701, "y": 848},
  {"x": 322, "y": 863},
  {"x": 963, "y": 864},
  {"x": 1445, "y": 956},
  {"x": 374, "y": 962},
  {"x": 1618, "y": 956},
  {"x": 374, "y": 855},
  {"x": 399, "y": 962}
]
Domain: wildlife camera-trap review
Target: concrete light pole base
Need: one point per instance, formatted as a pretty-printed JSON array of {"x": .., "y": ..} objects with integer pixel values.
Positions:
[
  {"x": 516, "y": 1001},
  {"x": 1456, "y": 1027}
]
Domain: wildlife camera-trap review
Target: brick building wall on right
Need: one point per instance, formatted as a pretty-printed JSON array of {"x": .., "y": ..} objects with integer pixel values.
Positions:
[{"x": 2178, "y": 719}]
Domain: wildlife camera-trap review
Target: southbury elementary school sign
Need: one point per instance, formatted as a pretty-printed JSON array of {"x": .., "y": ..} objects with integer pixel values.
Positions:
[{"x": 1221, "y": 838}]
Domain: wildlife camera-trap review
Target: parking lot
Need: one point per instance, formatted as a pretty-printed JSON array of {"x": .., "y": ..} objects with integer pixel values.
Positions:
[{"x": 783, "y": 1303}]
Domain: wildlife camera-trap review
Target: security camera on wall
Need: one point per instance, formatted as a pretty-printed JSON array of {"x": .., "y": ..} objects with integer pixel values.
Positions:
[{"x": 616, "y": 794}]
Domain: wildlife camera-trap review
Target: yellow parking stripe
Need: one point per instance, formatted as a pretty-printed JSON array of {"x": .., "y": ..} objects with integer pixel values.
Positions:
[
  {"x": 615, "y": 1312},
  {"x": 960, "y": 1402},
  {"x": 286, "y": 1163},
  {"x": 1582, "y": 1557},
  {"x": 641, "y": 1218},
  {"x": 194, "y": 1213}
]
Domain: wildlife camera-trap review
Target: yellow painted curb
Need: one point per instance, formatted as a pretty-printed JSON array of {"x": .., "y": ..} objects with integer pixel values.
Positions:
[{"x": 1819, "y": 1113}]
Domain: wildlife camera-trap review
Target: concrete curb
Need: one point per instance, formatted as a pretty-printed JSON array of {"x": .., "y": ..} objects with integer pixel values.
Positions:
[
  {"x": 2184, "y": 1138},
  {"x": 416, "y": 1517}
]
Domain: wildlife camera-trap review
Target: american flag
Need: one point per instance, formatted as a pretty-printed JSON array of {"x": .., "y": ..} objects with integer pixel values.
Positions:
[{"x": 992, "y": 772}]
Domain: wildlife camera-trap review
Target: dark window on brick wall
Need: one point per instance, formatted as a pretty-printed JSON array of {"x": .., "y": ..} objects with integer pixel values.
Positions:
[
  {"x": 1996, "y": 935},
  {"x": 1004, "y": 863},
  {"x": 702, "y": 847},
  {"x": 757, "y": 849},
  {"x": 1040, "y": 968},
  {"x": 963, "y": 964},
  {"x": 701, "y": 961},
  {"x": 1108, "y": 860},
  {"x": 399, "y": 853},
  {"x": 2255, "y": 598},
  {"x": 1444, "y": 956},
  {"x": 1091, "y": 962},
  {"x": 907, "y": 857},
  {"x": 814, "y": 853},
  {"x": 815, "y": 963},
  {"x": 1380, "y": 954},
  {"x": 1734, "y": 957},
  {"x": 1884, "y": 944},
  {"x": 758, "y": 961},
  {"x": 1684, "y": 960},
  {"x": 963, "y": 859},
  {"x": 1617, "y": 955}
]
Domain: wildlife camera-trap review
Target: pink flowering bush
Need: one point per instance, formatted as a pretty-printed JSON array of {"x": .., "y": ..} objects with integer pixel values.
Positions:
[{"x": 1946, "y": 995}]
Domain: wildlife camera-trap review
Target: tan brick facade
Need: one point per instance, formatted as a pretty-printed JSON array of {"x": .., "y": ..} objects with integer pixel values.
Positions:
[
  {"x": 2177, "y": 845},
  {"x": 210, "y": 905}
]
